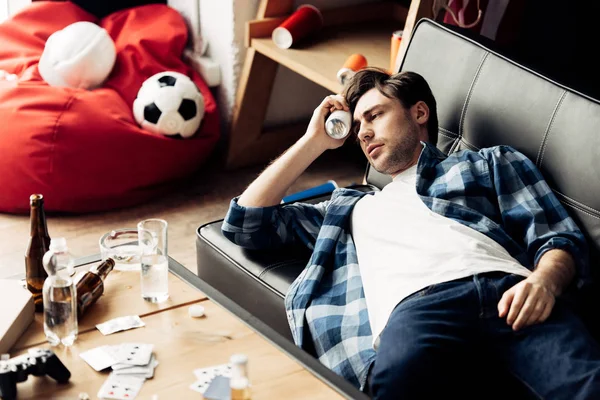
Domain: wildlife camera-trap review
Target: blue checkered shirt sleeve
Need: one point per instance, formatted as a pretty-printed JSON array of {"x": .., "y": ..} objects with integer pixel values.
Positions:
[
  {"x": 532, "y": 212},
  {"x": 273, "y": 226}
]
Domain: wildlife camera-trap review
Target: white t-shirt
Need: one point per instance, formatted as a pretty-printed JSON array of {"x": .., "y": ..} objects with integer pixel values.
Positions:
[{"x": 403, "y": 247}]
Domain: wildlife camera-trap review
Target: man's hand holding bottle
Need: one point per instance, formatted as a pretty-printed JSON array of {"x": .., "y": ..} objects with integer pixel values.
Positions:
[
  {"x": 316, "y": 128},
  {"x": 270, "y": 186}
]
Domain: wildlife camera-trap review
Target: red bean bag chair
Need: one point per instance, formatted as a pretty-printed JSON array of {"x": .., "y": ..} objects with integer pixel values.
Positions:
[{"x": 83, "y": 149}]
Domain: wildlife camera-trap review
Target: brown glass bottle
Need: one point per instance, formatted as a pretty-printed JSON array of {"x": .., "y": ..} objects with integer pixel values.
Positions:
[
  {"x": 91, "y": 286},
  {"x": 39, "y": 242}
]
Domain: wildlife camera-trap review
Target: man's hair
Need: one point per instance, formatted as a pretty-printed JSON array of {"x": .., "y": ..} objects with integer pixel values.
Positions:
[{"x": 408, "y": 87}]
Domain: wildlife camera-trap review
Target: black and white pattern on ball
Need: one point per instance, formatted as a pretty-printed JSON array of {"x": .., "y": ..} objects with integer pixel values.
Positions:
[
  {"x": 167, "y": 80},
  {"x": 169, "y": 103},
  {"x": 152, "y": 113},
  {"x": 187, "y": 109}
]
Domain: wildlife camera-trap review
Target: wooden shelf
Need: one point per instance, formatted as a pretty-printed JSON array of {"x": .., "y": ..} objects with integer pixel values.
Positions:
[
  {"x": 364, "y": 28},
  {"x": 320, "y": 59}
]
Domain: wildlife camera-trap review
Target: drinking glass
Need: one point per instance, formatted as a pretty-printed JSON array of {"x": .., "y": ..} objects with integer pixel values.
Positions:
[{"x": 154, "y": 261}]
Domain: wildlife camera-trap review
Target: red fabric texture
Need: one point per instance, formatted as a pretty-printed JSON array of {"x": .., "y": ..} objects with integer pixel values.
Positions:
[{"x": 83, "y": 149}]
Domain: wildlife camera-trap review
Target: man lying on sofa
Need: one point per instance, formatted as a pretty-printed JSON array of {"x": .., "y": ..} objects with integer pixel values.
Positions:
[{"x": 461, "y": 254}]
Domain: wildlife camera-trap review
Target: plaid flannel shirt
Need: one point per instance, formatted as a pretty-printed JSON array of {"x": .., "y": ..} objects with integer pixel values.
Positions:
[{"x": 496, "y": 191}]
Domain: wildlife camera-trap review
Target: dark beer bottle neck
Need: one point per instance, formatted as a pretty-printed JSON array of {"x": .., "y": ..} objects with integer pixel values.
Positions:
[
  {"x": 38, "y": 221},
  {"x": 104, "y": 268}
]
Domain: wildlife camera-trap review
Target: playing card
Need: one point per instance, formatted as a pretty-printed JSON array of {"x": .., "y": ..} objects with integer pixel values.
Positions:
[
  {"x": 99, "y": 358},
  {"x": 218, "y": 389},
  {"x": 135, "y": 370},
  {"x": 120, "y": 324},
  {"x": 120, "y": 388},
  {"x": 146, "y": 371},
  {"x": 206, "y": 375},
  {"x": 135, "y": 353},
  {"x": 214, "y": 370}
]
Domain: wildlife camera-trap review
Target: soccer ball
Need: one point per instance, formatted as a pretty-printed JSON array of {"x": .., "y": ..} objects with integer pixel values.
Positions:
[{"x": 169, "y": 103}]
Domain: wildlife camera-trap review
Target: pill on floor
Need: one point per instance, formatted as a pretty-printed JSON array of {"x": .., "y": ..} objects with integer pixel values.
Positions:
[{"x": 196, "y": 311}]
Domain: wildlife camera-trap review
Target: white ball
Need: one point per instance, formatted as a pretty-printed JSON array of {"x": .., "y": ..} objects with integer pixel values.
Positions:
[
  {"x": 81, "y": 55},
  {"x": 169, "y": 103}
]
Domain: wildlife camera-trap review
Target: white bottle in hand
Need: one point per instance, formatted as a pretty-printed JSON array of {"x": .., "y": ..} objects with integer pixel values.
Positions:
[
  {"x": 338, "y": 124},
  {"x": 60, "y": 304}
]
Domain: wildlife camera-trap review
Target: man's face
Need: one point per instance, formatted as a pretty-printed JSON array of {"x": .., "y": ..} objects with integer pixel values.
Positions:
[{"x": 388, "y": 134}]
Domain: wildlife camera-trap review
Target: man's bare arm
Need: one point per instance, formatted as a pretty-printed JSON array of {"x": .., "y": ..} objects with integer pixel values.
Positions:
[
  {"x": 531, "y": 300},
  {"x": 271, "y": 185},
  {"x": 557, "y": 267}
]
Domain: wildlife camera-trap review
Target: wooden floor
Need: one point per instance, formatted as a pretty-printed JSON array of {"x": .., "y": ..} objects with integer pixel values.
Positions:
[{"x": 203, "y": 200}]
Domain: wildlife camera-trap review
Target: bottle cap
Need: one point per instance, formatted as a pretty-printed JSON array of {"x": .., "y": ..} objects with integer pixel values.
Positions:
[
  {"x": 238, "y": 359},
  {"x": 35, "y": 198},
  {"x": 58, "y": 244}
]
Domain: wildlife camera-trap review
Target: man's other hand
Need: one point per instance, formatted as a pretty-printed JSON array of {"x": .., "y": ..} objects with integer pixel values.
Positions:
[{"x": 527, "y": 303}]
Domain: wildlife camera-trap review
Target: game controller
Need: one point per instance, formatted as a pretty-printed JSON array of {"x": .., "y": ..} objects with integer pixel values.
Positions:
[{"x": 36, "y": 362}]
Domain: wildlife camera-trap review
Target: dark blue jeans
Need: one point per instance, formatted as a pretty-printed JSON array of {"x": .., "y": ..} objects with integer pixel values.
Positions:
[{"x": 438, "y": 339}]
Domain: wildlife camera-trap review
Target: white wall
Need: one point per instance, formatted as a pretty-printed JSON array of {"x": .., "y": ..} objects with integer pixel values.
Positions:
[
  {"x": 3, "y": 10},
  {"x": 10, "y": 7},
  {"x": 217, "y": 28}
]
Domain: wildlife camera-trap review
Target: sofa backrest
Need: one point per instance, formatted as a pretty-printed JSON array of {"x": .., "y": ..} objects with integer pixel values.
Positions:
[{"x": 485, "y": 99}]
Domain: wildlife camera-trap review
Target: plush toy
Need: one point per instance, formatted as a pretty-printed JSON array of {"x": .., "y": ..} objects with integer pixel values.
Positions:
[
  {"x": 81, "y": 55},
  {"x": 169, "y": 103}
]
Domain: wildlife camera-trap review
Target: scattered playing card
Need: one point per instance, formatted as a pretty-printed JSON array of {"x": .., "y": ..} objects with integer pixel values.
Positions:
[
  {"x": 120, "y": 387},
  {"x": 132, "y": 364},
  {"x": 214, "y": 370},
  {"x": 99, "y": 358},
  {"x": 145, "y": 371},
  {"x": 120, "y": 324},
  {"x": 206, "y": 375},
  {"x": 135, "y": 353},
  {"x": 199, "y": 386},
  {"x": 218, "y": 389}
]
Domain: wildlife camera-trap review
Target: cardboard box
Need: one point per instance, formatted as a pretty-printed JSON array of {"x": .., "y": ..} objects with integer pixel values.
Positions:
[{"x": 16, "y": 312}]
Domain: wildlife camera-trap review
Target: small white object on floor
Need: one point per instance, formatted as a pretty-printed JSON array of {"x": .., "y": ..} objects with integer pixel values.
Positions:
[{"x": 196, "y": 311}]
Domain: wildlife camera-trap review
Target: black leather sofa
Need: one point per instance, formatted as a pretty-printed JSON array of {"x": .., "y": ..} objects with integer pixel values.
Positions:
[{"x": 483, "y": 100}]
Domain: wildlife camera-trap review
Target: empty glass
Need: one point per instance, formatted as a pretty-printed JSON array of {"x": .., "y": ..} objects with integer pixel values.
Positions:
[{"x": 154, "y": 261}]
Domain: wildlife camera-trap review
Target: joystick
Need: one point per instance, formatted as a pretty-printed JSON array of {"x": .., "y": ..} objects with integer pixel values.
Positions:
[{"x": 37, "y": 362}]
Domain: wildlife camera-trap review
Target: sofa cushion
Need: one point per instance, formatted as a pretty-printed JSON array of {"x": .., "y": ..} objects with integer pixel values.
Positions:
[
  {"x": 83, "y": 149},
  {"x": 256, "y": 280}
]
